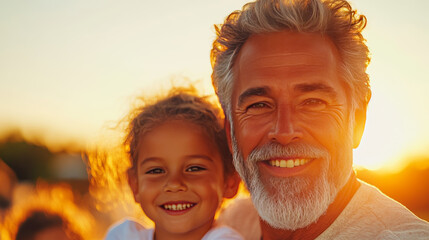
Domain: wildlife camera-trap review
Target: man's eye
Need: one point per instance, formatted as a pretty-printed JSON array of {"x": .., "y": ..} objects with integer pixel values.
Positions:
[
  {"x": 257, "y": 105},
  {"x": 195, "y": 169},
  {"x": 258, "y": 108},
  {"x": 314, "y": 101},
  {"x": 155, "y": 171},
  {"x": 314, "y": 104}
]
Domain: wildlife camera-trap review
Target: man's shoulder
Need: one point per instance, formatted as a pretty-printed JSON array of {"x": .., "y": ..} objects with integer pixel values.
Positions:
[
  {"x": 373, "y": 203},
  {"x": 372, "y": 214},
  {"x": 128, "y": 229}
]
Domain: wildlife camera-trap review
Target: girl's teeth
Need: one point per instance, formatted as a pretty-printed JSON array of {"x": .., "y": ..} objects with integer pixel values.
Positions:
[{"x": 178, "y": 207}]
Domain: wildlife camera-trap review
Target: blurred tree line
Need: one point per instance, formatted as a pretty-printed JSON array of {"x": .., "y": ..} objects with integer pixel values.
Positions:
[
  {"x": 29, "y": 160},
  {"x": 32, "y": 160}
]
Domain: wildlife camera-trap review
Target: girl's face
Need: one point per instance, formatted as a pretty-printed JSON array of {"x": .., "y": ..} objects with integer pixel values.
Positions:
[{"x": 179, "y": 182}]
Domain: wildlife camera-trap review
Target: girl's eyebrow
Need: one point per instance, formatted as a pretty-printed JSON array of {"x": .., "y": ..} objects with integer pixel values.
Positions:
[
  {"x": 200, "y": 156},
  {"x": 156, "y": 159},
  {"x": 149, "y": 159}
]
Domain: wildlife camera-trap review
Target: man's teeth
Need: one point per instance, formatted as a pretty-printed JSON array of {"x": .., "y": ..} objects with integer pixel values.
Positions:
[
  {"x": 178, "y": 207},
  {"x": 290, "y": 163}
]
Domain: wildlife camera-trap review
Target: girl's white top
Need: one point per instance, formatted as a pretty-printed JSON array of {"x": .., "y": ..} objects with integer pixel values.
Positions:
[{"x": 130, "y": 229}]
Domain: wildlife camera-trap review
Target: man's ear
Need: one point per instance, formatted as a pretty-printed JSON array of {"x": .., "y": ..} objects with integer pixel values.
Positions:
[
  {"x": 133, "y": 182},
  {"x": 232, "y": 182},
  {"x": 228, "y": 132},
  {"x": 359, "y": 124}
]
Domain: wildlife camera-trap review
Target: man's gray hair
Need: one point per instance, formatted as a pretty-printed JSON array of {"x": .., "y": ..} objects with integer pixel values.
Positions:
[{"x": 333, "y": 18}]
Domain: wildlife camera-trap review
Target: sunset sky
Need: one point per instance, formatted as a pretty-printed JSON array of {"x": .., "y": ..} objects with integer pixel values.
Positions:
[{"x": 68, "y": 69}]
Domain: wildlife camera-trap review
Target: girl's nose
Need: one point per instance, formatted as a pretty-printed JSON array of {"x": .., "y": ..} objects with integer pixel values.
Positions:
[{"x": 175, "y": 183}]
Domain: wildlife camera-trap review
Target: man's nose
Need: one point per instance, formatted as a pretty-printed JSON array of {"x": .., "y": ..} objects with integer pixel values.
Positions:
[
  {"x": 285, "y": 127},
  {"x": 175, "y": 183}
]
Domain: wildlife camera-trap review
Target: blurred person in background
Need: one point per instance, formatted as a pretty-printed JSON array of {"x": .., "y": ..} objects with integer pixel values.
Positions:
[
  {"x": 8, "y": 181},
  {"x": 47, "y": 211},
  {"x": 43, "y": 225}
]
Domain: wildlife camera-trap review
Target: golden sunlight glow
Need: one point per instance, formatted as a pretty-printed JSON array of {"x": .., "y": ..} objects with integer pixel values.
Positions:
[
  {"x": 78, "y": 87},
  {"x": 109, "y": 184},
  {"x": 71, "y": 71}
]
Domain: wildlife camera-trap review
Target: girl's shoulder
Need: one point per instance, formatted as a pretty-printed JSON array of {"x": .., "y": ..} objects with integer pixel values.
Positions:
[
  {"x": 222, "y": 232},
  {"x": 129, "y": 229}
]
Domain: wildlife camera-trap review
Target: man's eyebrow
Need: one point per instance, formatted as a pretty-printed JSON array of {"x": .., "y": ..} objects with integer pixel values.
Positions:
[
  {"x": 257, "y": 91},
  {"x": 313, "y": 87}
]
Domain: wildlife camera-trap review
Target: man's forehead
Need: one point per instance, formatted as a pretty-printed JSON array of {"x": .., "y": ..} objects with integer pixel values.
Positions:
[
  {"x": 304, "y": 62},
  {"x": 283, "y": 49}
]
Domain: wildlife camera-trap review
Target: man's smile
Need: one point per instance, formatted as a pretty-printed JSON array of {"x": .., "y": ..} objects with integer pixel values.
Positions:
[
  {"x": 288, "y": 163},
  {"x": 288, "y": 167}
]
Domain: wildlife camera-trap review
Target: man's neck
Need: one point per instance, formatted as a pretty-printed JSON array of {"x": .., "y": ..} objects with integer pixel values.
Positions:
[{"x": 315, "y": 229}]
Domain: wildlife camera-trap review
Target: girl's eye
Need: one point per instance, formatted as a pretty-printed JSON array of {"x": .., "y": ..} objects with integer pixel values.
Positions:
[
  {"x": 155, "y": 171},
  {"x": 195, "y": 169}
]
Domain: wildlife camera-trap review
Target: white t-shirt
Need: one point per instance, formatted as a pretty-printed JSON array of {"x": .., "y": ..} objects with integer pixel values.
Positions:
[
  {"x": 369, "y": 215},
  {"x": 130, "y": 229}
]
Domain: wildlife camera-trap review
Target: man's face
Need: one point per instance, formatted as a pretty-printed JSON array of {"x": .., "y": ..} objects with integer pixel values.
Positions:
[{"x": 291, "y": 126}]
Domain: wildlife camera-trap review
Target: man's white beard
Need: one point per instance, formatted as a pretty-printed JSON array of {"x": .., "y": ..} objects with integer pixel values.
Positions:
[{"x": 294, "y": 202}]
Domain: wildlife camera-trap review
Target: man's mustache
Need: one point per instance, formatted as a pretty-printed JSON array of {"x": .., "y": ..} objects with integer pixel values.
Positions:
[{"x": 274, "y": 150}]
